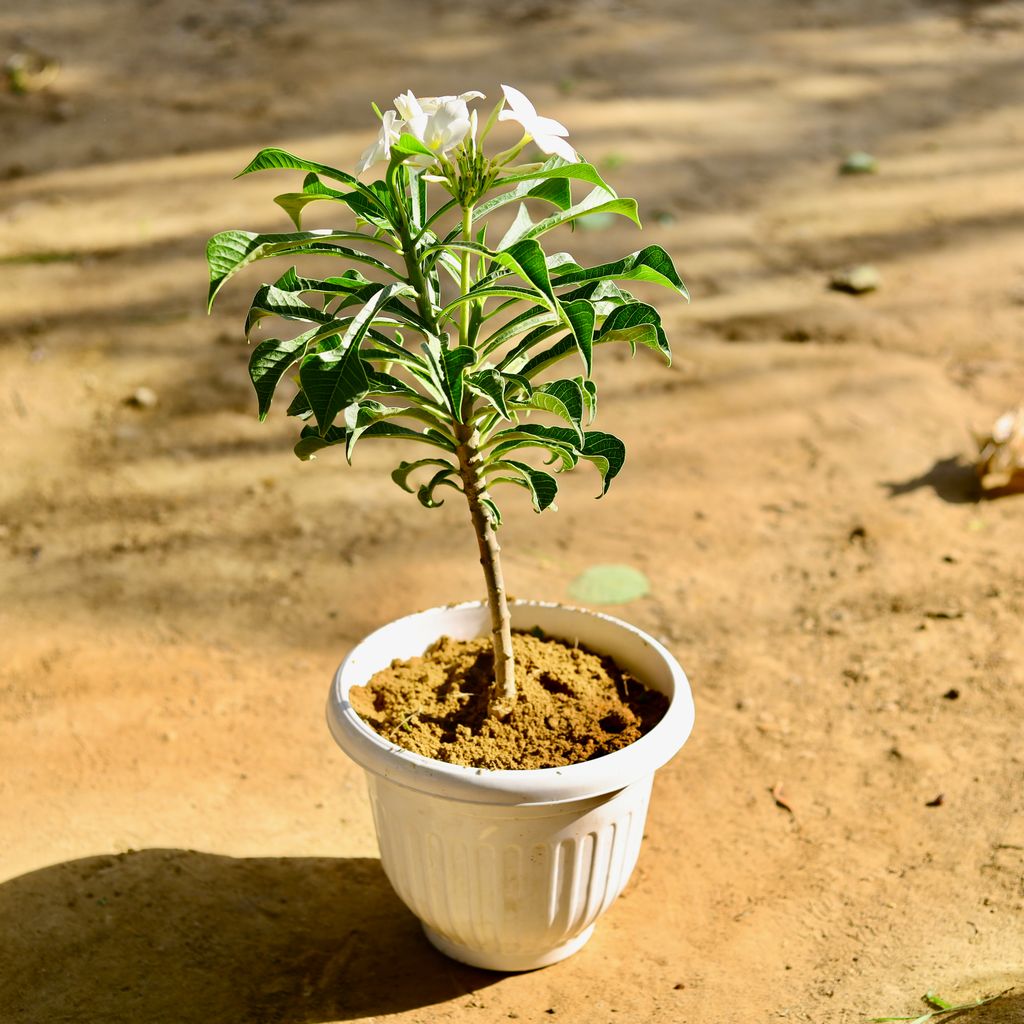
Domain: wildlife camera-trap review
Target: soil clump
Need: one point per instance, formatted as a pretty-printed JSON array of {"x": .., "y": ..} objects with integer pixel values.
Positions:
[{"x": 572, "y": 705}]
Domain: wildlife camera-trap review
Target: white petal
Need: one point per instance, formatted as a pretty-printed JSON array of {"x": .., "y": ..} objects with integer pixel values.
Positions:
[
  {"x": 370, "y": 156},
  {"x": 381, "y": 149},
  {"x": 556, "y": 145},
  {"x": 518, "y": 102},
  {"x": 418, "y": 125},
  {"x": 547, "y": 126},
  {"x": 408, "y": 106}
]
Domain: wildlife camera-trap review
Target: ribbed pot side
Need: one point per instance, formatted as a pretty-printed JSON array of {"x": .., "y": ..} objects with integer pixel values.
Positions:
[{"x": 509, "y": 870}]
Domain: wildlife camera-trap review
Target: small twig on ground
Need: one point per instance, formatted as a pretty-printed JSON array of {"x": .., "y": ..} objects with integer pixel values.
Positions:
[{"x": 780, "y": 800}]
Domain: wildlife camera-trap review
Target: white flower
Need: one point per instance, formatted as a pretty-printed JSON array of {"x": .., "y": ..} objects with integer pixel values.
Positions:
[
  {"x": 390, "y": 129},
  {"x": 408, "y": 105},
  {"x": 441, "y": 123},
  {"x": 548, "y": 134}
]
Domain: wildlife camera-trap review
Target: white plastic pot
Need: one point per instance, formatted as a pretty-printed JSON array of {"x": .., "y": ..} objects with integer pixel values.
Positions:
[{"x": 509, "y": 870}]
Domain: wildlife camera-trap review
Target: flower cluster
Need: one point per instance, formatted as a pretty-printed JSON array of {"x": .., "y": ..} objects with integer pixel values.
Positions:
[{"x": 444, "y": 123}]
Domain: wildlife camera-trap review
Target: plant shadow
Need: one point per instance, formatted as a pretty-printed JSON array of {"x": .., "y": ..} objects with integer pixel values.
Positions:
[
  {"x": 1007, "y": 1009},
  {"x": 953, "y": 480},
  {"x": 194, "y": 938}
]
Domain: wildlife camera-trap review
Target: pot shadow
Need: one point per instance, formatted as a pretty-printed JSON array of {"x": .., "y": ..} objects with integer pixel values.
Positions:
[{"x": 194, "y": 938}]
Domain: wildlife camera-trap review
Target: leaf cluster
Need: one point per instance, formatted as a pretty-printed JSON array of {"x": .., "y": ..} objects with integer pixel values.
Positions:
[{"x": 432, "y": 335}]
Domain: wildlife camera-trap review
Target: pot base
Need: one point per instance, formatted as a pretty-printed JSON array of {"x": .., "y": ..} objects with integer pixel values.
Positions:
[{"x": 506, "y": 961}]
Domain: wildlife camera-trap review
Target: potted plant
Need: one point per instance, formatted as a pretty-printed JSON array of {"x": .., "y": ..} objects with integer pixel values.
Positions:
[{"x": 446, "y": 340}]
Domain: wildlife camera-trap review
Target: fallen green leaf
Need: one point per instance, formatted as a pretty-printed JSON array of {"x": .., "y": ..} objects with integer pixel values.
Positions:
[{"x": 609, "y": 584}]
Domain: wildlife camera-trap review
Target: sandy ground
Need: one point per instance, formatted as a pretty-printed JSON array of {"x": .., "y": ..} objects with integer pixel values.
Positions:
[{"x": 180, "y": 841}]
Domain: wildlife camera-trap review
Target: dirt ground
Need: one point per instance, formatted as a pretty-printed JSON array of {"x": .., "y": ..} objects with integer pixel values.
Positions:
[{"x": 180, "y": 840}]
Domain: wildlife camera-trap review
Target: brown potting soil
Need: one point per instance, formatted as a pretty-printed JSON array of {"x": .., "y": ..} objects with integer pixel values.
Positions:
[{"x": 572, "y": 705}]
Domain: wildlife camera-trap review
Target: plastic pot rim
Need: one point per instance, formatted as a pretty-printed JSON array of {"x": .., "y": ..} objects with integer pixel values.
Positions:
[{"x": 602, "y": 775}]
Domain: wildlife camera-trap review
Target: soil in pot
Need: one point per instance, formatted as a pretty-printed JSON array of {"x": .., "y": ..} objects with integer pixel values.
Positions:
[{"x": 572, "y": 705}]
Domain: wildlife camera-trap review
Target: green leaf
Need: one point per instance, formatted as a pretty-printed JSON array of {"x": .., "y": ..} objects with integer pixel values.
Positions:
[
  {"x": 636, "y": 323},
  {"x": 525, "y": 258},
  {"x": 609, "y": 584},
  {"x": 492, "y": 510},
  {"x": 442, "y": 478},
  {"x": 652, "y": 264},
  {"x": 542, "y": 486},
  {"x": 313, "y": 191},
  {"x": 331, "y": 380},
  {"x": 528, "y": 260},
  {"x": 580, "y": 316},
  {"x": 269, "y": 361},
  {"x": 597, "y": 201},
  {"x": 517, "y": 230},
  {"x": 527, "y": 321},
  {"x": 349, "y": 283},
  {"x": 589, "y": 389},
  {"x": 559, "y": 442},
  {"x": 605, "y": 295},
  {"x": 561, "y": 348},
  {"x": 271, "y": 300},
  {"x": 563, "y": 398},
  {"x": 934, "y": 999},
  {"x": 418, "y": 199},
  {"x": 369, "y": 202},
  {"x": 363, "y": 321},
  {"x": 448, "y": 366},
  {"x": 555, "y": 191},
  {"x": 360, "y": 416},
  {"x": 229, "y": 251},
  {"x": 299, "y": 406},
  {"x": 480, "y": 293},
  {"x": 456, "y": 361},
  {"x": 401, "y": 474},
  {"x": 607, "y": 453},
  {"x": 288, "y": 281},
  {"x": 351, "y": 288},
  {"x": 382, "y": 383},
  {"x": 494, "y": 386},
  {"x": 312, "y": 441},
  {"x": 396, "y": 432},
  {"x": 408, "y": 145},
  {"x": 274, "y": 159},
  {"x": 556, "y": 167},
  {"x": 489, "y": 384}
]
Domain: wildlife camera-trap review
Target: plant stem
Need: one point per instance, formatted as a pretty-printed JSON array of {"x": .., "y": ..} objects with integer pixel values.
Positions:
[
  {"x": 412, "y": 265},
  {"x": 467, "y": 234},
  {"x": 503, "y": 692}
]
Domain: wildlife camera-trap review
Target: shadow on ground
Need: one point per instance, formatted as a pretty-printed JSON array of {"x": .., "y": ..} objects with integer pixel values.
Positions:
[
  {"x": 186, "y": 937},
  {"x": 951, "y": 479},
  {"x": 954, "y": 481},
  {"x": 1007, "y": 1009}
]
